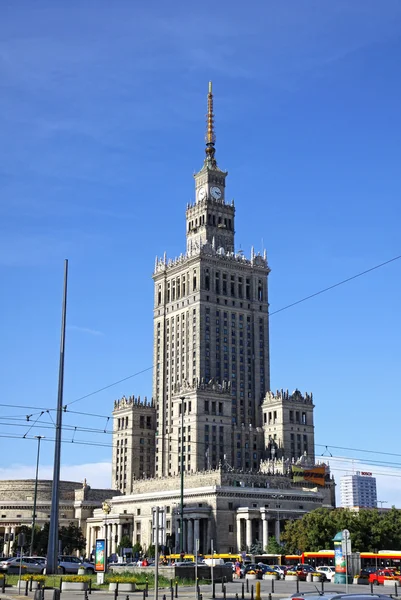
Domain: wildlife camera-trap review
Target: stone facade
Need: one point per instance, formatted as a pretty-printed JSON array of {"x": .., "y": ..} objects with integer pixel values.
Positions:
[
  {"x": 77, "y": 502},
  {"x": 233, "y": 509},
  {"x": 134, "y": 423},
  {"x": 288, "y": 425},
  {"x": 210, "y": 326},
  {"x": 215, "y": 417}
]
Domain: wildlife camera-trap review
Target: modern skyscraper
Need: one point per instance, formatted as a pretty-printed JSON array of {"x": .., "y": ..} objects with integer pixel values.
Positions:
[
  {"x": 358, "y": 491},
  {"x": 211, "y": 336}
]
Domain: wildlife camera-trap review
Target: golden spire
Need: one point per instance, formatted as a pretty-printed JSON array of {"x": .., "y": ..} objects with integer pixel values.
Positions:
[{"x": 210, "y": 135}]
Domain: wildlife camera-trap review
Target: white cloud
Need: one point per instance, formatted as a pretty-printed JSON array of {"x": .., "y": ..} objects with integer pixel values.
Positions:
[{"x": 98, "y": 475}]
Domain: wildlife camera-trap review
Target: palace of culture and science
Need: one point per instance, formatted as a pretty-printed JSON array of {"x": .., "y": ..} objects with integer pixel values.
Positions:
[{"x": 241, "y": 447}]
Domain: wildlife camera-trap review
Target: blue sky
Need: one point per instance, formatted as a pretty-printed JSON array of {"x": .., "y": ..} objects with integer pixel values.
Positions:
[{"x": 102, "y": 116}]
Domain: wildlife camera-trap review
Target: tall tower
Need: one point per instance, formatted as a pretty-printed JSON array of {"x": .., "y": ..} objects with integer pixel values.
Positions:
[
  {"x": 211, "y": 336},
  {"x": 133, "y": 442}
]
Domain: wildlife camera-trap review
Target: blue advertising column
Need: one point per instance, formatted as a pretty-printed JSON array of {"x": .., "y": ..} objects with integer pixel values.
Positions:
[{"x": 339, "y": 559}]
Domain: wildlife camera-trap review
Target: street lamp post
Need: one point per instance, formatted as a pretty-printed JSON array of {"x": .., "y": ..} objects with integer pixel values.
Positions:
[
  {"x": 182, "y": 398},
  {"x": 38, "y": 437}
]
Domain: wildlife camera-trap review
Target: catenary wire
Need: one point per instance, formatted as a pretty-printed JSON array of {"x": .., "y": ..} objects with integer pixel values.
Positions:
[
  {"x": 331, "y": 287},
  {"x": 270, "y": 314},
  {"x": 74, "y": 429},
  {"x": 85, "y": 443}
]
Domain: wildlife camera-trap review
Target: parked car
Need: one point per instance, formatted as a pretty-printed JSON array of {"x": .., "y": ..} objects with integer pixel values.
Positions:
[
  {"x": 379, "y": 576},
  {"x": 328, "y": 571},
  {"x": 265, "y": 568},
  {"x": 27, "y": 564},
  {"x": 303, "y": 570},
  {"x": 366, "y": 571},
  {"x": 281, "y": 570},
  {"x": 71, "y": 564}
]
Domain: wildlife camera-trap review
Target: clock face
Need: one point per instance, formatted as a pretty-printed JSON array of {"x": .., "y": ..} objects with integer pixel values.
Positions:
[
  {"x": 201, "y": 193},
  {"x": 215, "y": 193}
]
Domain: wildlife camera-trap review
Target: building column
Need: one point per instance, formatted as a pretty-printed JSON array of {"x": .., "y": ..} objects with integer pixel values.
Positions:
[
  {"x": 119, "y": 533},
  {"x": 248, "y": 533},
  {"x": 277, "y": 529},
  {"x": 185, "y": 535},
  {"x": 12, "y": 531},
  {"x": 190, "y": 536},
  {"x": 7, "y": 544},
  {"x": 113, "y": 537},
  {"x": 88, "y": 539},
  {"x": 196, "y": 533},
  {"x": 239, "y": 544},
  {"x": 265, "y": 532},
  {"x": 208, "y": 536}
]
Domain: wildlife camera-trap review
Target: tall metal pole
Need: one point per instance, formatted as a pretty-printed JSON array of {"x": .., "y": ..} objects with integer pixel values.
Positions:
[
  {"x": 156, "y": 513},
  {"x": 35, "y": 495},
  {"x": 52, "y": 548},
  {"x": 182, "y": 398}
]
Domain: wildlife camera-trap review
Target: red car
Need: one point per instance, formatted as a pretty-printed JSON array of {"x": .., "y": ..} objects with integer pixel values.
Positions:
[
  {"x": 303, "y": 570},
  {"x": 380, "y": 576}
]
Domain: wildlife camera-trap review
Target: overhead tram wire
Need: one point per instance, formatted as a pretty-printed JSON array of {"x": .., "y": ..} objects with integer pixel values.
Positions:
[
  {"x": 335, "y": 285},
  {"x": 74, "y": 429},
  {"x": 108, "y": 386},
  {"x": 99, "y": 445},
  {"x": 270, "y": 315},
  {"x": 324, "y": 290}
]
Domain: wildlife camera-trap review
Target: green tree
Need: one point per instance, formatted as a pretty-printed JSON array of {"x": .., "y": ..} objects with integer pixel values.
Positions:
[
  {"x": 369, "y": 530},
  {"x": 71, "y": 538},
  {"x": 273, "y": 547},
  {"x": 125, "y": 543},
  {"x": 150, "y": 553},
  {"x": 137, "y": 549}
]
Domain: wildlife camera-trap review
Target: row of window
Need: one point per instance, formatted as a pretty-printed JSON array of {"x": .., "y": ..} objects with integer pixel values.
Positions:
[
  {"x": 212, "y": 219},
  {"x": 219, "y": 282}
]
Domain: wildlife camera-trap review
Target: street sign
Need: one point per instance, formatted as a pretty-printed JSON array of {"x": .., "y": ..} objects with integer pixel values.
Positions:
[
  {"x": 160, "y": 526},
  {"x": 346, "y": 542}
]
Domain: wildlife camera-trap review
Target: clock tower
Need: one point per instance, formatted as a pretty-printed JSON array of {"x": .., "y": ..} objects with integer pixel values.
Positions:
[
  {"x": 211, "y": 337},
  {"x": 210, "y": 220}
]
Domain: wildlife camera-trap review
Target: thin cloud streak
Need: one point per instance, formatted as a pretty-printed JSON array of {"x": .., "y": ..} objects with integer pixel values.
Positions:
[{"x": 85, "y": 330}]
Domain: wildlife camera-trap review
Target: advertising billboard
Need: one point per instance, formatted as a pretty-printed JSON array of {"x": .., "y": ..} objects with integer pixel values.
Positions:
[{"x": 100, "y": 556}]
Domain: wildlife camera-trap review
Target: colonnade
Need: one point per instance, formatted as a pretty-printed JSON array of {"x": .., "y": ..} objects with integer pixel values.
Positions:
[
  {"x": 255, "y": 524},
  {"x": 110, "y": 531},
  {"x": 9, "y": 529},
  {"x": 195, "y": 528}
]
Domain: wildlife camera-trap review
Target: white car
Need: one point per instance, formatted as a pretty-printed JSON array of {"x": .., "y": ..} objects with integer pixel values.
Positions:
[{"x": 328, "y": 571}]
